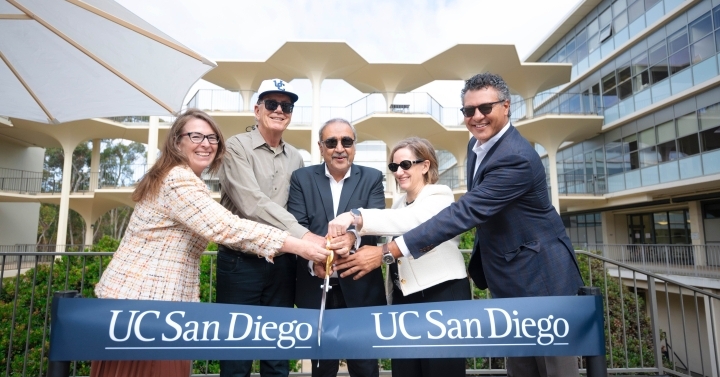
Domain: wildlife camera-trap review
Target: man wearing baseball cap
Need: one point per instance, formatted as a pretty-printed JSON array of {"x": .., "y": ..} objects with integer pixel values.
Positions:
[{"x": 254, "y": 184}]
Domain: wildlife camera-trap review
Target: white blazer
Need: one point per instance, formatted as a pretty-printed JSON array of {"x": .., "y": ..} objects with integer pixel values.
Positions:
[{"x": 443, "y": 263}]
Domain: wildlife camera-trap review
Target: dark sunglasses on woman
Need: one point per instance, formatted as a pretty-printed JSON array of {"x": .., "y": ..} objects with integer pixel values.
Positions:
[{"x": 405, "y": 165}]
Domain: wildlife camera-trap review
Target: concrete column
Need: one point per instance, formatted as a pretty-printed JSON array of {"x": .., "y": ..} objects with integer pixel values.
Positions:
[
  {"x": 89, "y": 230},
  {"x": 152, "y": 145},
  {"x": 608, "y": 228},
  {"x": 95, "y": 165},
  {"x": 314, "y": 151},
  {"x": 552, "y": 152},
  {"x": 529, "y": 110},
  {"x": 389, "y": 98},
  {"x": 247, "y": 96},
  {"x": 696, "y": 232},
  {"x": 64, "y": 197}
]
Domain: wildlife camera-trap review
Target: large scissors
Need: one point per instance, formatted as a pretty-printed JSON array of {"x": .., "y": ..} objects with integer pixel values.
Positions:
[{"x": 325, "y": 287}]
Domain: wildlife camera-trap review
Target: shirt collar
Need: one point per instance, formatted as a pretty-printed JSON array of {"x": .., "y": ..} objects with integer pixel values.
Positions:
[
  {"x": 489, "y": 144},
  {"x": 327, "y": 173},
  {"x": 258, "y": 140}
]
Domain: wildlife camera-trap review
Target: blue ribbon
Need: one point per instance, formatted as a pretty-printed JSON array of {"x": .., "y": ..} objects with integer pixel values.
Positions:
[{"x": 103, "y": 329}]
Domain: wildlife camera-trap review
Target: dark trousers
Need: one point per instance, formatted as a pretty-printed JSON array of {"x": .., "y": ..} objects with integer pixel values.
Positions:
[
  {"x": 248, "y": 280},
  {"x": 356, "y": 367},
  {"x": 452, "y": 290},
  {"x": 543, "y": 366}
]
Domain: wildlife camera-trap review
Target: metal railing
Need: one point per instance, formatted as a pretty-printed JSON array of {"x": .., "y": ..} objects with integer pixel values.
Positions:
[
  {"x": 45, "y": 182},
  {"x": 653, "y": 324},
  {"x": 670, "y": 259}
]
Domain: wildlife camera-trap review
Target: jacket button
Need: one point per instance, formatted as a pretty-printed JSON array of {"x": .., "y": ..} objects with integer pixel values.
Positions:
[
  {"x": 399, "y": 261},
  {"x": 402, "y": 281}
]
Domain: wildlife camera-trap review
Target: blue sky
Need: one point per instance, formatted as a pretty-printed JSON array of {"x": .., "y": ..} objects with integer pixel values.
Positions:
[{"x": 381, "y": 31}]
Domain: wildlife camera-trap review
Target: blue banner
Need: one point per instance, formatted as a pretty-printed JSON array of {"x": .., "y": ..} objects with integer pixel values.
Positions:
[{"x": 101, "y": 329}]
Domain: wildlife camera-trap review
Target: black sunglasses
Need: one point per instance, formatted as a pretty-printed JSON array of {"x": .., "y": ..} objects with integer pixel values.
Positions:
[
  {"x": 286, "y": 107},
  {"x": 197, "y": 137},
  {"x": 405, "y": 165},
  {"x": 485, "y": 108},
  {"x": 345, "y": 141}
]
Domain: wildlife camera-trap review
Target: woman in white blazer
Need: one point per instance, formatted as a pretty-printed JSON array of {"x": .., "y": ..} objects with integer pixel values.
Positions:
[{"x": 440, "y": 275}]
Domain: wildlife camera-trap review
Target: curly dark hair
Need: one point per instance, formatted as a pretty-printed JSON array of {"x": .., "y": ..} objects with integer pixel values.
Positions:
[{"x": 486, "y": 80}]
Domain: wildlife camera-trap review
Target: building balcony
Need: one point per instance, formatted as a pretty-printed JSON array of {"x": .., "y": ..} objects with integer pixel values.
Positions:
[{"x": 701, "y": 261}]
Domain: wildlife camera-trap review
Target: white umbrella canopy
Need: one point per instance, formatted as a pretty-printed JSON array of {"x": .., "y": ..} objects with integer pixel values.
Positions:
[{"x": 64, "y": 60}]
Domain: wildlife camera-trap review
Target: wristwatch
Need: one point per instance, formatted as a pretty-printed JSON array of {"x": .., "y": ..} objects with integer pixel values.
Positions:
[
  {"x": 387, "y": 257},
  {"x": 356, "y": 215}
]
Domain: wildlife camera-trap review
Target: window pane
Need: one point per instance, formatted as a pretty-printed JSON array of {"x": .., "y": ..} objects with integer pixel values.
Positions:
[
  {"x": 609, "y": 92},
  {"x": 650, "y": 3},
  {"x": 677, "y": 217},
  {"x": 716, "y": 16},
  {"x": 648, "y": 157},
  {"x": 647, "y": 138},
  {"x": 687, "y": 124},
  {"x": 605, "y": 18},
  {"x": 625, "y": 86},
  {"x": 582, "y": 51},
  {"x": 630, "y": 143},
  {"x": 593, "y": 42},
  {"x": 677, "y": 41},
  {"x": 639, "y": 63},
  {"x": 700, "y": 27},
  {"x": 620, "y": 22},
  {"x": 666, "y": 131},
  {"x": 659, "y": 72},
  {"x": 605, "y": 33},
  {"x": 636, "y": 10},
  {"x": 679, "y": 61},
  {"x": 581, "y": 36},
  {"x": 703, "y": 49},
  {"x": 641, "y": 81},
  {"x": 688, "y": 146},
  {"x": 570, "y": 46},
  {"x": 657, "y": 53},
  {"x": 593, "y": 27},
  {"x": 710, "y": 139},
  {"x": 709, "y": 116},
  {"x": 667, "y": 151}
]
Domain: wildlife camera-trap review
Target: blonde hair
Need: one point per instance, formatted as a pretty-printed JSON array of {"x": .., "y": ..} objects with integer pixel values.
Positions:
[{"x": 171, "y": 156}]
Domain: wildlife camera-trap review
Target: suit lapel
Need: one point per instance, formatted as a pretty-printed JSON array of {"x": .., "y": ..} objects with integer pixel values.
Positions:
[
  {"x": 348, "y": 188},
  {"x": 488, "y": 156},
  {"x": 472, "y": 157},
  {"x": 323, "y": 185}
]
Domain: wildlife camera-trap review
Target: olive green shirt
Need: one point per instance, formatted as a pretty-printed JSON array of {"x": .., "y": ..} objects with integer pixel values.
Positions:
[{"x": 255, "y": 180}]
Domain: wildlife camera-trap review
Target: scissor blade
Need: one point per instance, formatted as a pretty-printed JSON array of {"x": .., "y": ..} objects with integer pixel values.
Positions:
[{"x": 325, "y": 288}]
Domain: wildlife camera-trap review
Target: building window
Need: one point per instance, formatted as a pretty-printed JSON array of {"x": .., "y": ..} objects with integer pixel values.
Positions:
[{"x": 666, "y": 227}]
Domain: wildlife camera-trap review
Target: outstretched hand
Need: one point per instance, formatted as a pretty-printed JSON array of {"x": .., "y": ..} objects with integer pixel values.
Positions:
[
  {"x": 341, "y": 244},
  {"x": 366, "y": 259}
]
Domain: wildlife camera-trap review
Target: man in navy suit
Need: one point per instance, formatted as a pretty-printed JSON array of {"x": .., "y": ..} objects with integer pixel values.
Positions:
[
  {"x": 521, "y": 248},
  {"x": 317, "y": 194}
]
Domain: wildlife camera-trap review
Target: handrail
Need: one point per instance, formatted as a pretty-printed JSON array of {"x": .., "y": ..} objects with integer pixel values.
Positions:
[{"x": 648, "y": 273}]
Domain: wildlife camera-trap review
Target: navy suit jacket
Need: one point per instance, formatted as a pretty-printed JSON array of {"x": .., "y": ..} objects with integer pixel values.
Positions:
[
  {"x": 521, "y": 248},
  {"x": 311, "y": 202}
]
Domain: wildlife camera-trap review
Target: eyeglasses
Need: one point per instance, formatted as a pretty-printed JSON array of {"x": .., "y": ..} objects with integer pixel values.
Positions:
[
  {"x": 197, "y": 137},
  {"x": 405, "y": 165},
  {"x": 286, "y": 107},
  {"x": 485, "y": 108},
  {"x": 345, "y": 141}
]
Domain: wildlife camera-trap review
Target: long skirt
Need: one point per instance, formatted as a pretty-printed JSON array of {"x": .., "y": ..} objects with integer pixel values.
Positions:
[{"x": 140, "y": 368}]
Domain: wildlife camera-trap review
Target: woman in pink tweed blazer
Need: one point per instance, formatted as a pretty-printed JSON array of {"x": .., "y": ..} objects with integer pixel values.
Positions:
[{"x": 175, "y": 216}]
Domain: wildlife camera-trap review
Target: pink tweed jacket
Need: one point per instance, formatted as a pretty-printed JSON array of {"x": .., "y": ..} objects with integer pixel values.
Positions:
[{"x": 158, "y": 258}]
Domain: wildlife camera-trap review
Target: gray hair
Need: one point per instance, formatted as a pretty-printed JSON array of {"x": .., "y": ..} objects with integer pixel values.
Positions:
[
  {"x": 486, "y": 80},
  {"x": 336, "y": 120}
]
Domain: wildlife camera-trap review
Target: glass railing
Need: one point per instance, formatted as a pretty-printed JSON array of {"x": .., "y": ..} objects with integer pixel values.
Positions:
[{"x": 407, "y": 103}]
